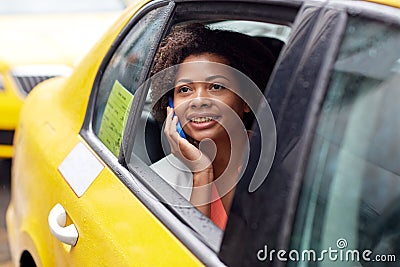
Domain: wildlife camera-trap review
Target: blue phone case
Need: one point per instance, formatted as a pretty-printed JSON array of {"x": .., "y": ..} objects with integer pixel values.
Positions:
[{"x": 178, "y": 125}]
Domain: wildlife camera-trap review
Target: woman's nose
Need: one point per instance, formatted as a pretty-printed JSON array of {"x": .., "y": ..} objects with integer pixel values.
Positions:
[{"x": 200, "y": 98}]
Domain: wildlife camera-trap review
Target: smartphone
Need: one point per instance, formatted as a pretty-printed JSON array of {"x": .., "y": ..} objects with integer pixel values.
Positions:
[{"x": 178, "y": 125}]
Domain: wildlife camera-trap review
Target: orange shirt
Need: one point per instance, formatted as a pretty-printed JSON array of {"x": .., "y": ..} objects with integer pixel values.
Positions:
[{"x": 218, "y": 214}]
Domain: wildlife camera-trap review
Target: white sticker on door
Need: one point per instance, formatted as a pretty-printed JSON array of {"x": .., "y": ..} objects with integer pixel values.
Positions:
[{"x": 80, "y": 168}]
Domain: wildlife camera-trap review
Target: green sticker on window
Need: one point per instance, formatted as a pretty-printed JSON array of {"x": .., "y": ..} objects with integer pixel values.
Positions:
[{"x": 114, "y": 118}]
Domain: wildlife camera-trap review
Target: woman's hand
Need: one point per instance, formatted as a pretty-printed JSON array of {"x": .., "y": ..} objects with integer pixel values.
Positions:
[{"x": 193, "y": 158}]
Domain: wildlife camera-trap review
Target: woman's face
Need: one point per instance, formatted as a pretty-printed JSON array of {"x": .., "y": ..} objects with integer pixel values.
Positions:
[{"x": 203, "y": 103}]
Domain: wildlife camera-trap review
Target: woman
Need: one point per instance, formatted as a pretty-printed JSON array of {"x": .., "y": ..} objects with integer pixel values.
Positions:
[{"x": 205, "y": 163}]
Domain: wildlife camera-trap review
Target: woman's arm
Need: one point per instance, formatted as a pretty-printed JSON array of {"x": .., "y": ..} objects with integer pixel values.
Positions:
[{"x": 201, "y": 193}]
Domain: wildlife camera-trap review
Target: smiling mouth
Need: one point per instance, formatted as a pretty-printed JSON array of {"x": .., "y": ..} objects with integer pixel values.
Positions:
[{"x": 203, "y": 119}]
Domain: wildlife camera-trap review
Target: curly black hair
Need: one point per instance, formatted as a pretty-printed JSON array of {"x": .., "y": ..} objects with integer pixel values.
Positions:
[{"x": 241, "y": 51}]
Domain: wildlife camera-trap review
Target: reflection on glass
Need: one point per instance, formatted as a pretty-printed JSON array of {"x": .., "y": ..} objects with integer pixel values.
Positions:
[{"x": 352, "y": 187}]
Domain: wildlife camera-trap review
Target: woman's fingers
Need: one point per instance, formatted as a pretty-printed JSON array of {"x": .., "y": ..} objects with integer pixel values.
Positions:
[
  {"x": 181, "y": 147},
  {"x": 171, "y": 132},
  {"x": 168, "y": 120},
  {"x": 170, "y": 125}
]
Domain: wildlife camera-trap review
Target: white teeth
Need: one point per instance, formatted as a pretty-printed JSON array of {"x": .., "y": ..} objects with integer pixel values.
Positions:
[{"x": 202, "y": 119}]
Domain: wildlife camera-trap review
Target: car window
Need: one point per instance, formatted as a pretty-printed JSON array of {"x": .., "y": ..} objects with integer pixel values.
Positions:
[
  {"x": 150, "y": 143},
  {"x": 349, "y": 201},
  {"x": 120, "y": 80}
]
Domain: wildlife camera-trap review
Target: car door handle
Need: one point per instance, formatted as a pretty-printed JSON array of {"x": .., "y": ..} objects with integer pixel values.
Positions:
[{"x": 57, "y": 220}]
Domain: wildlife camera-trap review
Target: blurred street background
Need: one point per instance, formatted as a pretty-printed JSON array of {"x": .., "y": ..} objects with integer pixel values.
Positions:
[
  {"x": 5, "y": 185},
  {"x": 40, "y": 40}
]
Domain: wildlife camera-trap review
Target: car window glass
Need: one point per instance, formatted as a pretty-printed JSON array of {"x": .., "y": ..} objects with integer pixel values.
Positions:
[
  {"x": 349, "y": 201},
  {"x": 120, "y": 80}
]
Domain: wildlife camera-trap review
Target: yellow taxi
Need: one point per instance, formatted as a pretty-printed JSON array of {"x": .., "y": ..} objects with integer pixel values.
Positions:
[
  {"x": 41, "y": 40},
  {"x": 84, "y": 192}
]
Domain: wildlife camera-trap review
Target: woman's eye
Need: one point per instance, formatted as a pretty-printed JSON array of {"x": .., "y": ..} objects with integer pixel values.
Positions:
[
  {"x": 216, "y": 86},
  {"x": 183, "y": 89}
]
